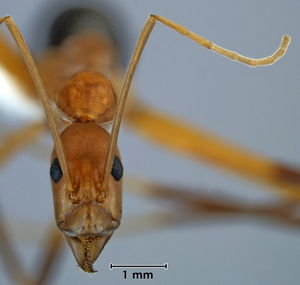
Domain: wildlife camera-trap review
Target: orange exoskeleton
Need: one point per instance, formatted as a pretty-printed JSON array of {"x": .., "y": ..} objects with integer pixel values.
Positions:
[
  {"x": 86, "y": 169},
  {"x": 86, "y": 213}
]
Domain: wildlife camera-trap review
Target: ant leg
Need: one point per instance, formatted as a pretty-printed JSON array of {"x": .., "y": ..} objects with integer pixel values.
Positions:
[
  {"x": 137, "y": 54},
  {"x": 10, "y": 258},
  {"x": 199, "y": 144},
  {"x": 13, "y": 63},
  {"x": 200, "y": 204},
  {"x": 19, "y": 139},
  {"x": 12, "y": 27},
  {"x": 50, "y": 255}
]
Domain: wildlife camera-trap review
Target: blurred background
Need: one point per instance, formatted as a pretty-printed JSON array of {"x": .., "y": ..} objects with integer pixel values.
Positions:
[{"x": 257, "y": 108}]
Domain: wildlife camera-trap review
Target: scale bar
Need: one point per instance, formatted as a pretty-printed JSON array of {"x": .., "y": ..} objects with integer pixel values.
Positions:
[{"x": 112, "y": 266}]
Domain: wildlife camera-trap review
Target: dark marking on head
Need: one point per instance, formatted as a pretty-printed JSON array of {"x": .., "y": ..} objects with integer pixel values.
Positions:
[
  {"x": 117, "y": 169},
  {"x": 55, "y": 171}
]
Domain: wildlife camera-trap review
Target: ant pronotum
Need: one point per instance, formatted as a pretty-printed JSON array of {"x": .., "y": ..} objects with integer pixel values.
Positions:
[{"x": 86, "y": 169}]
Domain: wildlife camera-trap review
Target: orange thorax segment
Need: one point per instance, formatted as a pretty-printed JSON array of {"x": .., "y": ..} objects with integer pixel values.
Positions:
[{"x": 87, "y": 96}]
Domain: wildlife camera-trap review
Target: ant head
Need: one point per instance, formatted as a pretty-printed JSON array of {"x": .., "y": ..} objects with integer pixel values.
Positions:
[
  {"x": 86, "y": 214},
  {"x": 87, "y": 96}
]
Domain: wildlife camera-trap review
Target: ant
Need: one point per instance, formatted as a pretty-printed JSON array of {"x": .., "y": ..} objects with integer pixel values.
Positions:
[{"x": 86, "y": 169}]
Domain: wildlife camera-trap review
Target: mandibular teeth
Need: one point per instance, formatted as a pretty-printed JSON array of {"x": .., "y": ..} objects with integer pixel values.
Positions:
[
  {"x": 86, "y": 249},
  {"x": 87, "y": 264}
]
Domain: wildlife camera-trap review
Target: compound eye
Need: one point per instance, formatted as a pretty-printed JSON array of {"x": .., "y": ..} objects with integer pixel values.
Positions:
[
  {"x": 55, "y": 171},
  {"x": 117, "y": 169}
]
